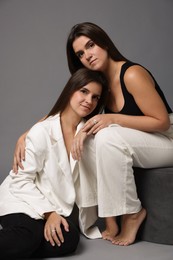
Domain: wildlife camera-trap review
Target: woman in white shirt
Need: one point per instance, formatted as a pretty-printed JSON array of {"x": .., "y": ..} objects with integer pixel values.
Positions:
[{"x": 36, "y": 203}]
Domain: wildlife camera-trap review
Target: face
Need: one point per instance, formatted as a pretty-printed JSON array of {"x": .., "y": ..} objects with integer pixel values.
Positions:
[
  {"x": 91, "y": 55},
  {"x": 85, "y": 100}
]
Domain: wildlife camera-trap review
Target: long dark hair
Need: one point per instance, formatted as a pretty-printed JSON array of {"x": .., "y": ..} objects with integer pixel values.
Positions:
[
  {"x": 78, "y": 80},
  {"x": 98, "y": 36}
]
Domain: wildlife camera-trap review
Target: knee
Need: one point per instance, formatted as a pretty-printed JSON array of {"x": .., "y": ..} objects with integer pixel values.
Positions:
[
  {"x": 71, "y": 241},
  {"x": 69, "y": 246},
  {"x": 106, "y": 137},
  {"x": 102, "y": 137}
]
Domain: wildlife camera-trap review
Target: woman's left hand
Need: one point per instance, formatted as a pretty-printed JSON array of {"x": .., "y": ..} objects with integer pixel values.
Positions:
[
  {"x": 98, "y": 122},
  {"x": 52, "y": 228}
]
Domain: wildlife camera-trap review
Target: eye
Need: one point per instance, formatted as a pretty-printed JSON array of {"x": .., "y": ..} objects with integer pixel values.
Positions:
[
  {"x": 91, "y": 44},
  {"x": 96, "y": 97},
  {"x": 79, "y": 54},
  {"x": 84, "y": 91}
]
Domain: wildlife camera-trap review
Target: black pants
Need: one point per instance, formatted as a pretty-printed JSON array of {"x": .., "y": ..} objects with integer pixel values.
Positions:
[{"x": 23, "y": 237}]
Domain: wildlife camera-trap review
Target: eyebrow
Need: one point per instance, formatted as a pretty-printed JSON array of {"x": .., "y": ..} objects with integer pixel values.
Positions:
[
  {"x": 88, "y": 42},
  {"x": 86, "y": 45},
  {"x": 94, "y": 94}
]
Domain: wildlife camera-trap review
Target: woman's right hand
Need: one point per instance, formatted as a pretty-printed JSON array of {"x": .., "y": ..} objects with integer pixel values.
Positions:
[
  {"x": 19, "y": 153},
  {"x": 53, "y": 228}
]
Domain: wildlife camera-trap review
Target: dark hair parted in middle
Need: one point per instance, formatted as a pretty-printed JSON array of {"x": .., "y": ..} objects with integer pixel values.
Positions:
[
  {"x": 79, "y": 79},
  {"x": 98, "y": 36}
]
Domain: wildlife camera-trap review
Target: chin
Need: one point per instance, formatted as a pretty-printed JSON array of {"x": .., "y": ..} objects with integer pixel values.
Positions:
[
  {"x": 97, "y": 68},
  {"x": 85, "y": 114}
]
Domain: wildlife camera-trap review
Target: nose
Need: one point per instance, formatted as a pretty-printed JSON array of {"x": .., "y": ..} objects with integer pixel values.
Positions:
[
  {"x": 89, "y": 99},
  {"x": 88, "y": 55}
]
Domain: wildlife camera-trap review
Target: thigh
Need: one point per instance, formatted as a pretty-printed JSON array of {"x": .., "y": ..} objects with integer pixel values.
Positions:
[
  {"x": 149, "y": 150},
  {"x": 71, "y": 240},
  {"x": 22, "y": 233}
]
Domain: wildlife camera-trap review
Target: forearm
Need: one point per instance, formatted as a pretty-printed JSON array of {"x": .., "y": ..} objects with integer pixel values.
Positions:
[{"x": 142, "y": 123}]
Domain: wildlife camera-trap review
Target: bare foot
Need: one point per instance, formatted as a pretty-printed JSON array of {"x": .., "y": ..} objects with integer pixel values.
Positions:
[
  {"x": 111, "y": 230},
  {"x": 130, "y": 226}
]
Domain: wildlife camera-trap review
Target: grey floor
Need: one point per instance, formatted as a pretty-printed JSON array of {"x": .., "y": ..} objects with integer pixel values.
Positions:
[{"x": 103, "y": 250}]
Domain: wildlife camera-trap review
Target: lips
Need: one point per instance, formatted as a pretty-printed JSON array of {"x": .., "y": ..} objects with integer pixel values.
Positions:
[
  {"x": 91, "y": 62},
  {"x": 86, "y": 107}
]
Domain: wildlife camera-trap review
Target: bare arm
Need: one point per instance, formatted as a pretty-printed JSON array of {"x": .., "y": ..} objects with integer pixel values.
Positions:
[
  {"x": 19, "y": 152},
  {"x": 141, "y": 86}
]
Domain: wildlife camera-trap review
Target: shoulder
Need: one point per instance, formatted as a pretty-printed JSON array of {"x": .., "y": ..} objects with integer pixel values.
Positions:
[
  {"x": 39, "y": 134},
  {"x": 134, "y": 70},
  {"x": 130, "y": 71},
  {"x": 136, "y": 75}
]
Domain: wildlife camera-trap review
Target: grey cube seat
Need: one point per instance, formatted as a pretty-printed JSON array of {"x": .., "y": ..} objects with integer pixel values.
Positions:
[{"x": 155, "y": 190}]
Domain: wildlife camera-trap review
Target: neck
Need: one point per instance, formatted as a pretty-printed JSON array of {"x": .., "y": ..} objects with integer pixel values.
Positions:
[
  {"x": 111, "y": 70},
  {"x": 69, "y": 120}
]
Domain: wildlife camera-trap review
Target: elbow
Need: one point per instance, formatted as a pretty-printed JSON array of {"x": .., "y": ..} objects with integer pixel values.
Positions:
[{"x": 164, "y": 124}]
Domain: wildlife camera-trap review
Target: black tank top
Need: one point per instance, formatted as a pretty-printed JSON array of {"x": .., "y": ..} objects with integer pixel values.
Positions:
[{"x": 130, "y": 107}]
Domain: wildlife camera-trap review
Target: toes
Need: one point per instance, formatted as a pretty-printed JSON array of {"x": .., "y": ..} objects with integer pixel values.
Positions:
[
  {"x": 116, "y": 241},
  {"x": 108, "y": 237},
  {"x": 120, "y": 242}
]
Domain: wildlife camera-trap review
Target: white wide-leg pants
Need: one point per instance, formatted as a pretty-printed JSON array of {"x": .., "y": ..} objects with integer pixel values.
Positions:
[{"x": 117, "y": 151}]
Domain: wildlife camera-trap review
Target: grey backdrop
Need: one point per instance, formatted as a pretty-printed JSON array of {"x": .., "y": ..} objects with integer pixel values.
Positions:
[{"x": 33, "y": 66}]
